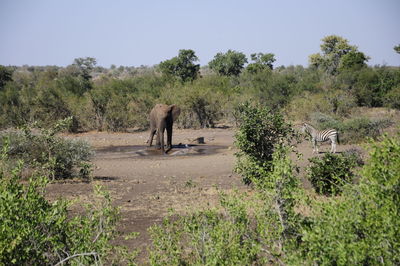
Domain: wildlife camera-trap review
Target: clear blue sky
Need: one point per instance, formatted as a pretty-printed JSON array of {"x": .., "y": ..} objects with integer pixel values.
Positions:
[{"x": 134, "y": 33}]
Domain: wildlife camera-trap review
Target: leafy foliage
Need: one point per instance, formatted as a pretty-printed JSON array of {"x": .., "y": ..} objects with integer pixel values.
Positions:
[
  {"x": 207, "y": 238},
  {"x": 362, "y": 227},
  {"x": 244, "y": 230},
  {"x": 392, "y": 98},
  {"x": 35, "y": 231},
  {"x": 229, "y": 64},
  {"x": 5, "y": 76},
  {"x": 337, "y": 55},
  {"x": 259, "y": 131},
  {"x": 328, "y": 174},
  {"x": 397, "y": 48},
  {"x": 182, "y": 66},
  {"x": 261, "y": 62},
  {"x": 53, "y": 156},
  {"x": 120, "y": 98}
]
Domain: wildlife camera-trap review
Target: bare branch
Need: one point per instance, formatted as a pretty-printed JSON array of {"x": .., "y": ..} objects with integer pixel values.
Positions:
[{"x": 94, "y": 254}]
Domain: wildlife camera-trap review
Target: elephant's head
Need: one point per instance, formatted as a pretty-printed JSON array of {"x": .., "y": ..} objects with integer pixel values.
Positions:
[{"x": 175, "y": 111}]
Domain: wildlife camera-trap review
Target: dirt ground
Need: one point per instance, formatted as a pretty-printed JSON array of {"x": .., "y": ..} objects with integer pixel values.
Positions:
[{"x": 147, "y": 185}]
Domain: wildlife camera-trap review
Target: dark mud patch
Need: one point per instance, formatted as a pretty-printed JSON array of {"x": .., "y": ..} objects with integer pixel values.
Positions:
[{"x": 141, "y": 151}]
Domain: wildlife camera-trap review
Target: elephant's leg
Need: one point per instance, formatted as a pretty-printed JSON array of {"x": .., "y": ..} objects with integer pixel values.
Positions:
[
  {"x": 158, "y": 143},
  {"x": 161, "y": 139},
  {"x": 150, "y": 140},
  {"x": 169, "y": 137}
]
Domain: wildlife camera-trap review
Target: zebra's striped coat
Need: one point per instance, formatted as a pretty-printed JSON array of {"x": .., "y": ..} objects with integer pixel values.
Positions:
[{"x": 321, "y": 136}]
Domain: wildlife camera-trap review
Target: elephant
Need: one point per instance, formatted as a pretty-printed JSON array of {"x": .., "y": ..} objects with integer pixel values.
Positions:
[{"x": 162, "y": 117}]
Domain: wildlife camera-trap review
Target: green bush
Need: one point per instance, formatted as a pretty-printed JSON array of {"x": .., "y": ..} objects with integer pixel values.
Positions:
[
  {"x": 207, "y": 238},
  {"x": 259, "y": 131},
  {"x": 54, "y": 156},
  {"x": 111, "y": 104},
  {"x": 198, "y": 111},
  {"x": 329, "y": 173},
  {"x": 341, "y": 102},
  {"x": 363, "y": 226},
  {"x": 34, "y": 231},
  {"x": 359, "y": 129},
  {"x": 302, "y": 108},
  {"x": 392, "y": 98},
  {"x": 245, "y": 229},
  {"x": 119, "y": 98},
  {"x": 273, "y": 89},
  {"x": 372, "y": 84}
]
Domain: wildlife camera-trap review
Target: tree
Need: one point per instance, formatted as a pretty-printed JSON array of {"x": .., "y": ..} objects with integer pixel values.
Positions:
[
  {"x": 76, "y": 77},
  {"x": 85, "y": 66},
  {"x": 352, "y": 60},
  {"x": 181, "y": 66},
  {"x": 397, "y": 48},
  {"x": 229, "y": 64},
  {"x": 261, "y": 62},
  {"x": 337, "y": 54},
  {"x": 5, "y": 76}
]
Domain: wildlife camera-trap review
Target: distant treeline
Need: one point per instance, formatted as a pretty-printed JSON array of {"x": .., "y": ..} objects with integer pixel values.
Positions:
[{"x": 118, "y": 98}]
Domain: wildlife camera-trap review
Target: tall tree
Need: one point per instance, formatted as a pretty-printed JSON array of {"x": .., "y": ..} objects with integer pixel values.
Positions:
[
  {"x": 85, "y": 66},
  {"x": 76, "y": 77},
  {"x": 397, "y": 48},
  {"x": 229, "y": 64},
  {"x": 181, "y": 66},
  {"x": 337, "y": 54},
  {"x": 261, "y": 62}
]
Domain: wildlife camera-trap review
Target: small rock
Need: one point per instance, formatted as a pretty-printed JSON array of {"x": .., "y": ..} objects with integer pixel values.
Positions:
[{"x": 199, "y": 140}]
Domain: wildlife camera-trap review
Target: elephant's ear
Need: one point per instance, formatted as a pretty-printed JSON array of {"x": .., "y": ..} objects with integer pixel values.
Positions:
[{"x": 175, "y": 110}]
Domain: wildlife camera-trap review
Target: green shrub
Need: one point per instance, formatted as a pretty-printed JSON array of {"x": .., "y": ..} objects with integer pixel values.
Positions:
[
  {"x": 273, "y": 89},
  {"x": 373, "y": 84},
  {"x": 245, "y": 229},
  {"x": 329, "y": 173},
  {"x": 259, "y": 131},
  {"x": 341, "y": 102},
  {"x": 198, "y": 111},
  {"x": 301, "y": 108},
  {"x": 54, "y": 156},
  {"x": 207, "y": 238},
  {"x": 363, "y": 226},
  {"x": 361, "y": 128},
  {"x": 392, "y": 98},
  {"x": 325, "y": 121},
  {"x": 34, "y": 231}
]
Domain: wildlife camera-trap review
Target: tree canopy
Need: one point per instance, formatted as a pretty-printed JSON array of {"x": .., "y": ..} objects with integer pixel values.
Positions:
[
  {"x": 229, "y": 64},
  {"x": 337, "y": 54},
  {"x": 261, "y": 62},
  {"x": 397, "y": 48},
  {"x": 85, "y": 66},
  {"x": 181, "y": 66}
]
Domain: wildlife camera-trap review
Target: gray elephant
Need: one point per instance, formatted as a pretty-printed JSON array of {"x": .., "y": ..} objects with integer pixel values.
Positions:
[{"x": 162, "y": 117}]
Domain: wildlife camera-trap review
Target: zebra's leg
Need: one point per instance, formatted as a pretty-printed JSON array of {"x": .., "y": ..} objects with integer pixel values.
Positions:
[
  {"x": 333, "y": 146},
  {"x": 315, "y": 147}
]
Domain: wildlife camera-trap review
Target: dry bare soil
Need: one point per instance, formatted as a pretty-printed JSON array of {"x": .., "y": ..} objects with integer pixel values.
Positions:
[{"x": 147, "y": 185}]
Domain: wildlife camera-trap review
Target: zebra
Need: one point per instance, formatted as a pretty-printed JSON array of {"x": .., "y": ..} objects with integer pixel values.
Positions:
[{"x": 321, "y": 136}]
